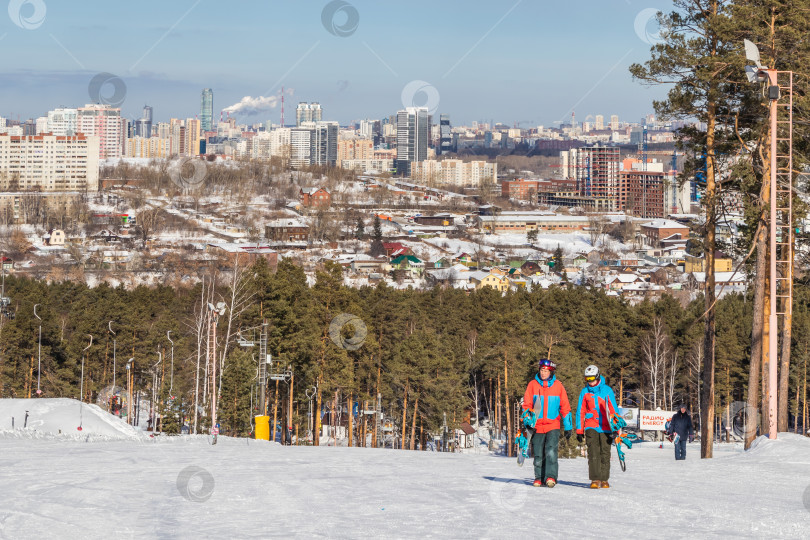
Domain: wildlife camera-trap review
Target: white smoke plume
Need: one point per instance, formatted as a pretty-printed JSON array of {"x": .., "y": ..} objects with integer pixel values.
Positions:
[{"x": 250, "y": 106}]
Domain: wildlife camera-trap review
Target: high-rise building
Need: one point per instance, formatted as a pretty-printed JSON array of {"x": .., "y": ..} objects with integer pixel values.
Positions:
[
  {"x": 323, "y": 143},
  {"x": 300, "y": 147},
  {"x": 192, "y": 136},
  {"x": 600, "y": 122},
  {"x": 445, "y": 135},
  {"x": 177, "y": 136},
  {"x": 207, "y": 110},
  {"x": 143, "y": 126},
  {"x": 614, "y": 122},
  {"x": 641, "y": 193},
  {"x": 308, "y": 112},
  {"x": 596, "y": 171},
  {"x": 413, "y": 133},
  {"x": 104, "y": 122},
  {"x": 354, "y": 148}
]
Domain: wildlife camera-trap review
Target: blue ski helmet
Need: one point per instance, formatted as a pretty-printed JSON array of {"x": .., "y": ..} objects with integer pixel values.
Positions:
[{"x": 546, "y": 363}]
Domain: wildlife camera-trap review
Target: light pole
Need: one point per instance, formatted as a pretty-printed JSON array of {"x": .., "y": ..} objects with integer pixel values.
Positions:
[
  {"x": 129, "y": 390},
  {"x": 155, "y": 395},
  {"x": 81, "y": 383},
  {"x": 770, "y": 77},
  {"x": 39, "y": 347}
]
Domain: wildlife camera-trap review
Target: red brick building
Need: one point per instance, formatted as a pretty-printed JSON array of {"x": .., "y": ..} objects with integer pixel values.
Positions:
[
  {"x": 641, "y": 193},
  {"x": 315, "y": 197},
  {"x": 659, "y": 229},
  {"x": 520, "y": 189}
]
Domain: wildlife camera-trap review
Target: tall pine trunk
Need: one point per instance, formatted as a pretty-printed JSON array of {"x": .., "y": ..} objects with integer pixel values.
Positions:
[{"x": 707, "y": 395}]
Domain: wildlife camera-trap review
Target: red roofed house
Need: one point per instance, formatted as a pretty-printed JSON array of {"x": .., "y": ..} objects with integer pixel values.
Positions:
[
  {"x": 395, "y": 249},
  {"x": 315, "y": 197}
]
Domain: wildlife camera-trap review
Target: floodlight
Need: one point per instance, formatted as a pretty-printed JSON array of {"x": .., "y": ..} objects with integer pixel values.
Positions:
[{"x": 752, "y": 53}]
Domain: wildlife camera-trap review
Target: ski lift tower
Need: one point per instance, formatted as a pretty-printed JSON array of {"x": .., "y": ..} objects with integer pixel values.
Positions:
[{"x": 778, "y": 89}]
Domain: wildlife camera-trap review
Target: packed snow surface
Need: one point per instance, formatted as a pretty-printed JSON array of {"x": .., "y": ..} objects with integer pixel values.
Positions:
[{"x": 183, "y": 487}]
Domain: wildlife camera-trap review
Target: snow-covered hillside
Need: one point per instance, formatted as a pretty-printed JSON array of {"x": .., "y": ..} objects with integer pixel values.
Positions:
[{"x": 184, "y": 487}]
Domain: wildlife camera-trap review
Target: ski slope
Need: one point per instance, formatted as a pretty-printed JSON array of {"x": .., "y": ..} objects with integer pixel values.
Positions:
[{"x": 58, "y": 486}]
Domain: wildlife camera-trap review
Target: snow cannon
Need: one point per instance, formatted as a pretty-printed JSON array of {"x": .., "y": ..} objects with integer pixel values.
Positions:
[{"x": 262, "y": 428}]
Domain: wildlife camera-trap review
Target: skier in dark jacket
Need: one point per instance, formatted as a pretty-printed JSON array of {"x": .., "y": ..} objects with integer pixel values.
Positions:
[{"x": 681, "y": 426}]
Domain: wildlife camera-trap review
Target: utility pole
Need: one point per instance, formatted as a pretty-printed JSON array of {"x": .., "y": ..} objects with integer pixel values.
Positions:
[
  {"x": 39, "y": 341},
  {"x": 130, "y": 375},
  {"x": 109, "y": 402}
]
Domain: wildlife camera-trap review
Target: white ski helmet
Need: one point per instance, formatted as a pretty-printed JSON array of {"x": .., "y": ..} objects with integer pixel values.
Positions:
[{"x": 591, "y": 372}]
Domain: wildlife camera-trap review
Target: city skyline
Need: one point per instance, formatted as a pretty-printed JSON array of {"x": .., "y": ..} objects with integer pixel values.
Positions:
[{"x": 522, "y": 61}]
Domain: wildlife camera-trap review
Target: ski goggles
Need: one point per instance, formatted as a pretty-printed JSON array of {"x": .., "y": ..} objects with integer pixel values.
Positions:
[
  {"x": 591, "y": 378},
  {"x": 547, "y": 364}
]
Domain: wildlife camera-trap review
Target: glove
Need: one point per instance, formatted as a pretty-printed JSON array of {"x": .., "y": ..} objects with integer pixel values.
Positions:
[
  {"x": 580, "y": 438},
  {"x": 691, "y": 438},
  {"x": 569, "y": 434}
]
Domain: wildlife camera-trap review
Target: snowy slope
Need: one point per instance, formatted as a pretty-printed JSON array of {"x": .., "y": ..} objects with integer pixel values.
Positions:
[
  {"x": 186, "y": 488},
  {"x": 61, "y": 417}
]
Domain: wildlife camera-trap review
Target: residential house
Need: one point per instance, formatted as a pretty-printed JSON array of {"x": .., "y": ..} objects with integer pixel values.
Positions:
[
  {"x": 409, "y": 263},
  {"x": 659, "y": 229},
  {"x": 56, "y": 237},
  {"x": 286, "y": 230},
  {"x": 246, "y": 253},
  {"x": 482, "y": 278},
  {"x": 722, "y": 263},
  {"x": 366, "y": 265},
  {"x": 530, "y": 268},
  {"x": 315, "y": 197},
  {"x": 395, "y": 249}
]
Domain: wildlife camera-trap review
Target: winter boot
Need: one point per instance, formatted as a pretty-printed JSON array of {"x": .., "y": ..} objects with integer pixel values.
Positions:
[
  {"x": 550, "y": 482},
  {"x": 605, "y": 484},
  {"x": 595, "y": 484},
  {"x": 538, "y": 483}
]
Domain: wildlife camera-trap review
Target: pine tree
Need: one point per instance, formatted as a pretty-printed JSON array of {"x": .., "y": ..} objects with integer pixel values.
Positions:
[
  {"x": 377, "y": 248},
  {"x": 699, "y": 60},
  {"x": 360, "y": 233}
]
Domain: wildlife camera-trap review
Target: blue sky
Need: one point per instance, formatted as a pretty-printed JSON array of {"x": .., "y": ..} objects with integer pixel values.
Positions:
[{"x": 531, "y": 61}]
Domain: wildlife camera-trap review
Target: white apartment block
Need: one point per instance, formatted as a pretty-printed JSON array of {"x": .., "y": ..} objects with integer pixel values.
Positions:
[
  {"x": 300, "y": 146},
  {"x": 49, "y": 163},
  {"x": 62, "y": 122},
  {"x": 104, "y": 122},
  {"x": 368, "y": 166},
  {"x": 454, "y": 172}
]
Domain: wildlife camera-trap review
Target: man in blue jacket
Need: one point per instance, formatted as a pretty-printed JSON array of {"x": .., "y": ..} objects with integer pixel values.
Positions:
[
  {"x": 597, "y": 403},
  {"x": 681, "y": 425}
]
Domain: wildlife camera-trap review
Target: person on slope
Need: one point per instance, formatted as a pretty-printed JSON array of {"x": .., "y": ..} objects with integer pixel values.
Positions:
[
  {"x": 597, "y": 403},
  {"x": 545, "y": 406},
  {"x": 681, "y": 425}
]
